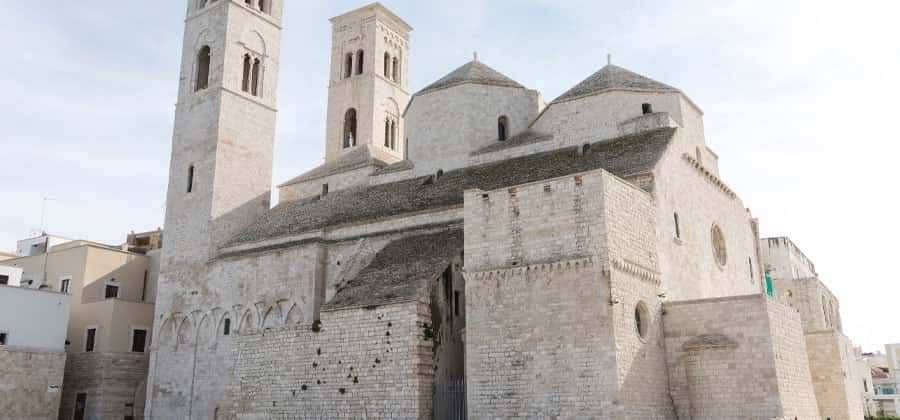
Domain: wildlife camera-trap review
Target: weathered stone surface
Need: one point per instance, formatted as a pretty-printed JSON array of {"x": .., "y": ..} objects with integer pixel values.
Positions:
[{"x": 30, "y": 384}]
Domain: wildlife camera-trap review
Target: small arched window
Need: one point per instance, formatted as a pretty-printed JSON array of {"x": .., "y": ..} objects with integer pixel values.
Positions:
[
  {"x": 249, "y": 3},
  {"x": 254, "y": 86},
  {"x": 203, "y": 58},
  {"x": 502, "y": 128},
  {"x": 359, "y": 61},
  {"x": 387, "y": 65},
  {"x": 677, "y": 226},
  {"x": 350, "y": 128},
  {"x": 245, "y": 82},
  {"x": 395, "y": 70},
  {"x": 190, "y": 179},
  {"x": 226, "y": 327},
  {"x": 387, "y": 132},
  {"x": 348, "y": 65},
  {"x": 264, "y": 6},
  {"x": 398, "y": 67},
  {"x": 699, "y": 156}
]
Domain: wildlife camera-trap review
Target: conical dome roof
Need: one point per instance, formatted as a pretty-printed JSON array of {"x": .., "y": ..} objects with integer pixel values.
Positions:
[
  {"x": 472, "y": 72},
  {"x": 614, "y": 77}
]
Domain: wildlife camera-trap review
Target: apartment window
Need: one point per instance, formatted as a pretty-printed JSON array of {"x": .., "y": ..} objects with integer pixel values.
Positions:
[
  {"x": 64, "y": 285},
  {"x": 3, "y": 337},
  {"x": 138, "y": 341},
  {"x": 89, "y": 339},
  {"x": 4, "y": 279},
  {"x": 112, "y": 291}
]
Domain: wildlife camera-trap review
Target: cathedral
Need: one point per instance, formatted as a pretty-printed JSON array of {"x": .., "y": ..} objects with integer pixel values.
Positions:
[{"x": 468, "y": 250}]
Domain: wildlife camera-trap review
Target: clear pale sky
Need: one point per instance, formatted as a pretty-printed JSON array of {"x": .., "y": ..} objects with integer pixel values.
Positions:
[{"x": 799, "y": 100}]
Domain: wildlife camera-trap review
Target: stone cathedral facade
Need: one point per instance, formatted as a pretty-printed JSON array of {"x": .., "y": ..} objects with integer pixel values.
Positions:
[{"x": 578, "y": 258}]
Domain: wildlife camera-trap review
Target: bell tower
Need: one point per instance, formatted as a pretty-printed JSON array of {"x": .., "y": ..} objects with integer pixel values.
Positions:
[
  {"x": 220, "y": 173},
  {"x": 368, "y": 84}
]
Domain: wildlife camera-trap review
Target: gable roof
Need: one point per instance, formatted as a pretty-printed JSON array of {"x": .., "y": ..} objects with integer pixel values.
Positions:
[
  {"x": 401, "y": 271},
  {"x": 612, "y": 77},
  {"x": 472, "y": 72},
  {"x": 623, "y": 156},
  {"x": 356, "y": 158}
]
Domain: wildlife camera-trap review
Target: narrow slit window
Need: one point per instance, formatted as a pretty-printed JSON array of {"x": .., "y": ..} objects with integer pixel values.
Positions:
[
  {"x": 89, "y": 339},
  {"x": 502, "y": 128},
  {"x": 245, "y": 83},
  {"x": 348, "y": 66},
  {"x": 190, "y": 179},
  {"x": 393, "y": 133},
  {"x": 395, "y": 70},
  {"x": 360, "y": 55},
  {"x": 677, "y": 227},
  {"x": 254, "y": 88},
  {"x": 264, "y": 6},
  {"x": 387, "y": 133},
  {"x": 456, "y": 295},
  {"x": 203, "y": 59},
  {"x": 387, "y": 65},
  {"x": 226, "y": 327},
  {"x": 350, "y": 128}
]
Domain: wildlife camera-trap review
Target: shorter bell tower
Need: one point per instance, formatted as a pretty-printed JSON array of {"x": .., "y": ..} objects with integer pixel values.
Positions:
[{"x": 368, "y": 88}]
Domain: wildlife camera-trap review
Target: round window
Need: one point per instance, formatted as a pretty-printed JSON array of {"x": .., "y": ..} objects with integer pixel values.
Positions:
[
  {"x": 718, "y": 245},
  {"x": 641, "y": 319}
]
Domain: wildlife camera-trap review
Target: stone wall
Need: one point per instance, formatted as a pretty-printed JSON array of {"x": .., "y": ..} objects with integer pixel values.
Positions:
[
  {"x": 554, "y": 271},
  {"x": 737, "y": 357},
  {"x": 834, "y": 376},
  {"x": 363, "y": 363},
  {"x": 30, "y": 384},
  {"x": 819, "y": 308},
  {"x": 115, "y": 384}
]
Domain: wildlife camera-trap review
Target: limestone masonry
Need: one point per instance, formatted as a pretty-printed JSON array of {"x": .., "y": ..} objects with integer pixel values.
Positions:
[{"x": 469, "y": 251}]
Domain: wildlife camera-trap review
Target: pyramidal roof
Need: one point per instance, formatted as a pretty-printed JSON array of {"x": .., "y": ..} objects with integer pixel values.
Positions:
[
  {"x": 612, "y": 77},
  {"x": 472, "y": 72}
]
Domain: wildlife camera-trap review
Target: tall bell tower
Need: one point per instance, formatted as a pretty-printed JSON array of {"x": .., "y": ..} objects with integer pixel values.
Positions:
[
  {"x": 368, "y": 84},
  {"x": 220, "y": 173},
  {"x": 220, "y": 177}
]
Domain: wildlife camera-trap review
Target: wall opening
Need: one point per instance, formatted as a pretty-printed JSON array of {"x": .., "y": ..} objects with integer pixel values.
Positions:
[
  {"x": 502, "y": 128},
  {"x": 387, "y": 65},
  {"x": 190, "y": 179},
  {"x": 641, "y": 319},
  {"x": 203, "y": 59},
  {"x": 395, "y": 70},
  {"x": 720, "y": 252},
  {"x": 139, "y": 341},
  {"x": 89, "y": 339},
  {"x": 245, "y": 82},
  {"x": 677, "y": 226},
  {"x": 359, "y": 61},
  {"x": 111, "y": 292},
  {"x": 348, "y": 65},
  {"x": 324, "y": 190},
  {"x": 350, "y": 128},
  {"x": 226, "y": 327},
  {"x": 254, "y": 85},
  {"x": 647, "y": 108}
]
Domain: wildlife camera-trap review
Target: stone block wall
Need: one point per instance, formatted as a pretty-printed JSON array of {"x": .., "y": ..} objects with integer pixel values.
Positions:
[
  {"x": 554, "y": 271},
  {"x": 834, "y": 376},
  {"x": 30, "y": 384},
  {"x": 363, "y": 363},
  {"x": 819, "y": 308},
  {"x": 115, "y": 384},
  {"x": 737, "y": 357}
]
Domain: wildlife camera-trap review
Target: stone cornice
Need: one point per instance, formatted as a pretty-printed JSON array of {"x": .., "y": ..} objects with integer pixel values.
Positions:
[
  {"x": 709, "y": 175},
  {"x": 507, "y": 271},
  {"x": 636, "y": 270}
]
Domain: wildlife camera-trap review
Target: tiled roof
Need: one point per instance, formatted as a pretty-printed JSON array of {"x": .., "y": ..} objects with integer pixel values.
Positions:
[
  {"x": 356, "y": 158},
  {"x": 614, "y": 77},
  {"x": 472, "y": 72},
  {"x": 521, "y": 139},
  {"x": 401, "y": 271},
  {"x": 624, "y": 156}
]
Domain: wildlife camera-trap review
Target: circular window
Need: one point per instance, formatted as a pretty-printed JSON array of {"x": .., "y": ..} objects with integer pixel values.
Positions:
[
  {"x": 641, "y": 319},
  {"x": 718, "y": 245}
]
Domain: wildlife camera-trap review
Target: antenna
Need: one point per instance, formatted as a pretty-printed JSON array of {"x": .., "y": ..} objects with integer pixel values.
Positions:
[
  {"x": 608, "y": 59},
  {"x": 475, "y": 56},
  {"x": 44, "y": 210}
]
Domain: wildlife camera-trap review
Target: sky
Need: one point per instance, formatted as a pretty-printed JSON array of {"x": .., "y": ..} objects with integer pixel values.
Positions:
[{"x": 798, "y": 99}]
